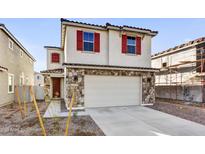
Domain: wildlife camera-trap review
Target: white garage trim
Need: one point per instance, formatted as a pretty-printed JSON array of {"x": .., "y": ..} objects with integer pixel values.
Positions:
[{"x": 103, "y": 91}]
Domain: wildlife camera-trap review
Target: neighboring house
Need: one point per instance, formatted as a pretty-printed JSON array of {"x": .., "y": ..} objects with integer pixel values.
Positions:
[
  {"x": 38, "y": 79},
  {"x": 16, "y": 66},
  {"x": 182, "y": 71},
  {"x": 108, "y": 65}
]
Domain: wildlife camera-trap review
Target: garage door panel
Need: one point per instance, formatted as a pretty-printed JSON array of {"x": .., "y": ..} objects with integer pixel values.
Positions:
[{"x": 102, "y": 91}]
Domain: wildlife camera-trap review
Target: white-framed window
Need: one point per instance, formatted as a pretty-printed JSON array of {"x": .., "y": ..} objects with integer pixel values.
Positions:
[
  {"x": 21, "y": 52},
  {"x": 131, "y": 45},
  {"x": 88, "y": 41},
  {"x": 10, "y": 83},
  {"x": 11, "y": 44}
]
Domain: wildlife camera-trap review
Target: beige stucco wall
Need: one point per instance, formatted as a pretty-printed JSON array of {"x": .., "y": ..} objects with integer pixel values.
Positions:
[
  {"x": 51, "y": 65},
  {"x": 83, "y": 57},
  {"x": 110, "y": 49},
  {"x": 116, "y": 57},
  {"x": 16, "y": 65}
]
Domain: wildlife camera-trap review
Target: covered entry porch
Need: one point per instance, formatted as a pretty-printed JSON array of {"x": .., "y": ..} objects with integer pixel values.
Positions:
[{"x": 54, "y": 84}]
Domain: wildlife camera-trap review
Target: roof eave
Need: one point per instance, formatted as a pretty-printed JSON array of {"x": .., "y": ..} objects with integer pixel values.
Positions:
[
  {"x": 140, "y": 31},
  {"x": 3, "y": 27},
  {"x": 108, "y": 67},
  {"x": 176, "y": 50},
  {"x": 52, "y": 47},
  {"x": 65, "y": 23}
]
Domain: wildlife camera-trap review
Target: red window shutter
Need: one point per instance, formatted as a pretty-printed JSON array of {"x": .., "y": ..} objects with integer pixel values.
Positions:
[
  {"x": 55, "y": 58},
  {"x": 124, "y": 43},
  {"x": 138, "y": 44},
  {"x": 97, "y": 42},
  {"x": 79, "y": 40}
]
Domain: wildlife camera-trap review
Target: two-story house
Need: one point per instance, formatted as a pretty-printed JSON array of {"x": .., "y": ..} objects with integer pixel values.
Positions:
[
  {"x": 16, "y": 66},
  {"x": 109, "y": 65},
  {"x": 181, "y": 75}
]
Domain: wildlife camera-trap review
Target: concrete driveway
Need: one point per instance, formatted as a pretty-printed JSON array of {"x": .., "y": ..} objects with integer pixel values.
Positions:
[{"x": 142, "y": 121}]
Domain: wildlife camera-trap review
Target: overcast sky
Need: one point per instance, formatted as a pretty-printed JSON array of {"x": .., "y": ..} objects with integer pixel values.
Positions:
[{"x": 34, "y": 34}]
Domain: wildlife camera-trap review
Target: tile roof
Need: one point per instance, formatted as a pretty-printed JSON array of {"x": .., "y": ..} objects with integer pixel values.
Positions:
[
  {"x": 184, "y": 45},
  {"x": 111, "y": 66},
  {"x": 108, "y": 24},
  {"x": 132, "y": 27},
  {"x": 77, "y": 22},
  {"x": 58, "y": 71}
]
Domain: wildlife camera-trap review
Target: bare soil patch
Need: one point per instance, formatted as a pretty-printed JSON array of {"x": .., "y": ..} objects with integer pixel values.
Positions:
[
  {"x": 11, "y": 123},
  {"x": 192, "y": 111}
]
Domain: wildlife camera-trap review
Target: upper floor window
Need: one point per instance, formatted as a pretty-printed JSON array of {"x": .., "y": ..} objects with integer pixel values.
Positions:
[
  {"x": 55, "y": 57},
  {"x": 21, "y": 52},
  {"x": 131, "y": 45},
  {"x": 88, "y": 41},
  {"x": 30, "y": 60},
  {"x": 11, "y": 44}
]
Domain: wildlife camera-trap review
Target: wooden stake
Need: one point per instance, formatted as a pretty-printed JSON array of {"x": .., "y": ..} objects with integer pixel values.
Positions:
[
  {"x": 69, "y": 114},
  {"x": 37, "y": 111},
  {"x": 19, "y": 102},
  {"x": 24, "y": 101}
]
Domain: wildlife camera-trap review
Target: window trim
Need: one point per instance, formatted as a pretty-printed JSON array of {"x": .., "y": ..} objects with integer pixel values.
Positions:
[
  {"x": 10, "y": 41},
  {"x": 135, "y": 45},
  {"x": 12, "y": 75},
  {"x": 88, "y": 51}
]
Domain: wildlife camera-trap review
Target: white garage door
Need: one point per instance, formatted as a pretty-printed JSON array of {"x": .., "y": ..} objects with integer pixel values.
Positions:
[{"x": 102, "y": 91}]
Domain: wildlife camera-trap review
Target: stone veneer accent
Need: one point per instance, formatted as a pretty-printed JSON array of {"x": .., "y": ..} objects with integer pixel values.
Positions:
[
  {"x": 47, "y": 88},
  {"x": 75, "y": 80}
]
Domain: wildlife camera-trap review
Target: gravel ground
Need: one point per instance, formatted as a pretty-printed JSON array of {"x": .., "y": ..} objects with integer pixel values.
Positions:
[
  {"x": 190, "y": 112},
  {"x": 11, "y": 123}
]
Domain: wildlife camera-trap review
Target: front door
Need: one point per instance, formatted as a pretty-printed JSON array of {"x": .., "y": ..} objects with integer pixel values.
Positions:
[{"x": 56, "y": 87}]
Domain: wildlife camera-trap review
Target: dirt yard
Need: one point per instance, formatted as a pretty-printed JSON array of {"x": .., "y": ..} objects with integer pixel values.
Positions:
[
  {"x": 192, "y": 112},
  {"x": 11, "y": 123}
]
